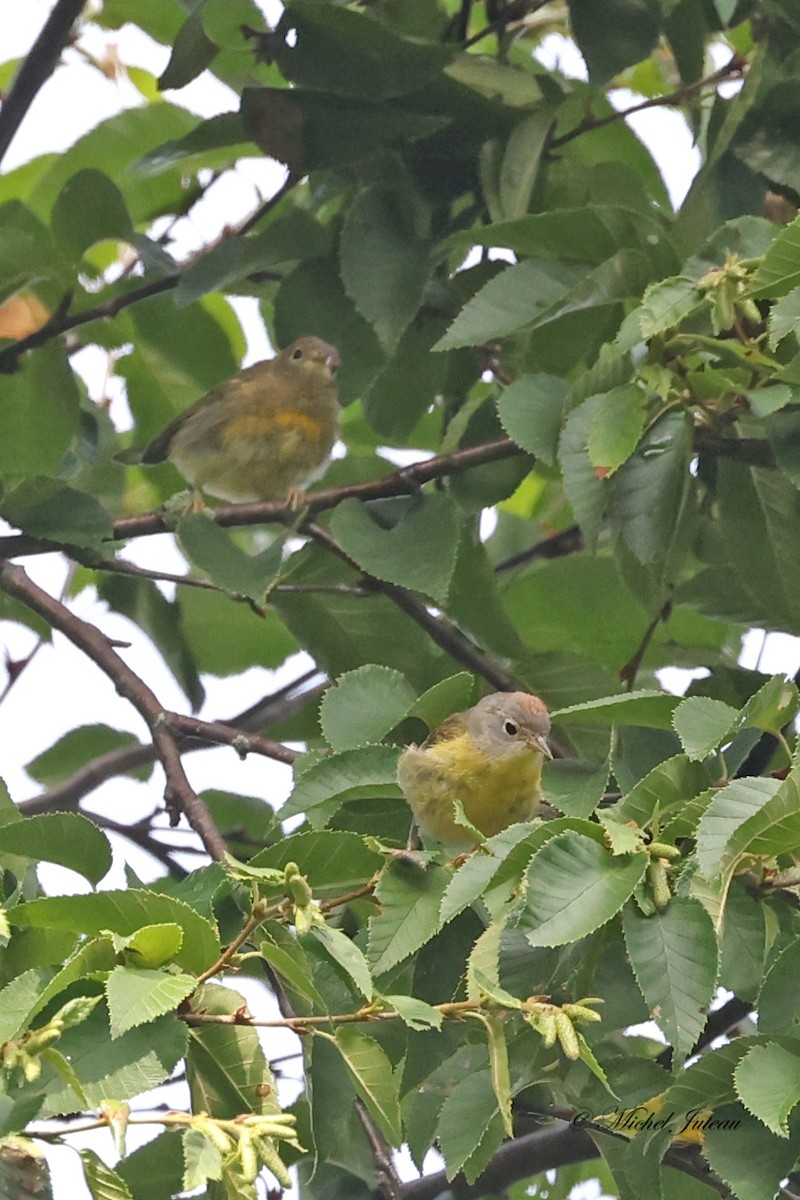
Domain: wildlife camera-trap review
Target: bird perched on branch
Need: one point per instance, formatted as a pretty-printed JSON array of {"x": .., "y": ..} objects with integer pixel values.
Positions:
[
  {"x": 488, "y": 758},
  {"x": 264, "y": 434}
]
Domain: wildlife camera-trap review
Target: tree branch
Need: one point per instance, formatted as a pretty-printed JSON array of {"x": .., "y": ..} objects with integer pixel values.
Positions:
[
  {"x": 37, "y": 68},
  {"x": 733, "y": 69},
  {"x": 439, "y": 629},
  {"x": 179, "y": 794},
  {"x": 398, "y": 483},
  {"x": 268, "y": 711}
]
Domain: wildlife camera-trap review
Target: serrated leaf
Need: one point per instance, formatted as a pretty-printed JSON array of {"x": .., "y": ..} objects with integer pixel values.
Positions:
[
  {"x": 768, "y": 1084},
  {"x": 409, "y": 914},
  {"x": 216, "y": 554},
  {"x": 137, "y": 995},
  {"x": 468, "y": 1119},
  {"x": 729, "y": 810},
  {"x": 102, "y": 1181},
  {"x": 364, "y": 705},
  {"x": 414, "y": 1013},
  {"x": 574, "y": 887},
  {"x": 779, "y": 273},
  {"x": 531, "y": 410},
  {"x": 344, "y": 951},
  {"x": 616, "y": 426},
  {"x": 372, "y": 1074},
  {"x": 391, "y": 551},
  {"x": 450, "y": 695},
  {"x": 573, "y": 786},
  {"x": 649, "y": 708},
  {"x": 202, "y": 1160},
  {"x": 124, "y": 912},
  {"x": 69, "y": 839},
  {"x": 703, "y": 724},
  {"x": 674, "y": 957},
  {"x": 348, "y": 775},
  {"x": 384, "y": 264}
]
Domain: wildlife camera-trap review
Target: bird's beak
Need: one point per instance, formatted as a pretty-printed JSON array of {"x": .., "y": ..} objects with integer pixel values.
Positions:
[
  {"x": 332, "y": 360},
  {"x": 539, "y": 742}
]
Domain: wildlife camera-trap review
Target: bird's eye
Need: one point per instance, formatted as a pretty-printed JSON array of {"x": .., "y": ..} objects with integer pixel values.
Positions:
[
  {"x": 510, "y": 728},
  {"x": 298, "y": 353}
]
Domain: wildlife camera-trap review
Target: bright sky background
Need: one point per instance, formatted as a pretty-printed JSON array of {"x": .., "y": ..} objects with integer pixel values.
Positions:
[{"x": 61, "y": 689}]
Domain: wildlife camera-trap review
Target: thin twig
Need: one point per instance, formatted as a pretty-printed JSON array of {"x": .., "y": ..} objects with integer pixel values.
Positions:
[
  {"x": 389, "y": 1181},
  {"x": 37, "y": 68},
  {"x": 439, "y": 629},
  {"x": 220, "y": 733},
  {"x": 736, "y": 66},
  {"x": 88, "y": 638}
]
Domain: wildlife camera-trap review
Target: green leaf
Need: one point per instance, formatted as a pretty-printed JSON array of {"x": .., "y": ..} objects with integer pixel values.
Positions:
[
  {"x": 746, "y": 1155},
  {"x": 137, "y": 996},
  {"x": 469, "y": 1121},
  {"x": 622, "y": 33},
  {"x": 47, "y": 508},
  {"x": 108, "y": 1068},
  {"x": 226, "y": 1068},
  {"x": 703, "y": 724},
  {"x": 728, "y": 811},
  {"x": 364, "y": 705},
  {"x": 384, "y": 539},
  {"x": 216, "y": 554},
  {"x": 250, "y": 640},
  {"x": 69, "y": 839},
  {"x": 521, "y": 162},
  {"x": 334, "y": 861},
  {"x": 652, "y": 709},
  {"x": 347, "y": 955},
  {"x": 784, "y": 318},
  {"x": 409, "y": 899},
  {"x": 575, "y": 886},
  {"x": 511, "y": 301},
  {"x": 450, "y": 695},
  {"x": 760, "y": 522},
  {"x": 667, "y": 304},
  {"x": 586, "y": 492},
  {"x": 76, "y": 748},
  {"x": 648, "y": 492},
  {"x": 616, "y": 426},
  {"x": 385, "y": 264},
  {"x": 778, "y": 1002},
  {"x": 348, "y": 775},
  {"x": 202, "y": 1160},
  {"x": 103, "y": 1183},
  {"x": 192, "y": 52},
  {"x": 43, "y": 396},
  {"x": 416, "y": 1014},
  {"x": 89, "y": 208},
  {"x": 27, "y": 252},
  {"x": 766, "y": 400},
  {"x": 674, "y": 957},
  {"x": 373, "y": 1077},
  {"x": 663, "y": 791},
  {"x": 124, "y": 912},
  {"x": 773, "y": 706},
  {"x": 779, "y": 273},
  {"x": 531, "y": 410},
  {"x": 768, "y": 1084},
  {"x": 573, "y": 786}
]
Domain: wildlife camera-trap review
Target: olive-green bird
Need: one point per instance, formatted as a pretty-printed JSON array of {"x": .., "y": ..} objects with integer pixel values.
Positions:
[
  {"x": 264, "y": 434},
  {"x": 489, "y": 758}
]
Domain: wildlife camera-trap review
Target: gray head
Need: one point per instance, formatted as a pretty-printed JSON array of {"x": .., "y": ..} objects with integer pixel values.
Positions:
[{"x": 510, "y": 723}]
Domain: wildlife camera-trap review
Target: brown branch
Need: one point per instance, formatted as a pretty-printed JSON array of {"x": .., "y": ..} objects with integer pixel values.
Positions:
[
  {"x": 179, "y": 793},
  {"x": 439, "y": 629},
  {"x": 733, "y": 69},
  {"x": 221, "y": 733},
  {"x": 388, "y": 1179},
  {"x": 566, "y": 541},
  {"x": 229, "y": 516},
  {"x": 66, "y": 795},
  {"x": 37, "y": 68}
]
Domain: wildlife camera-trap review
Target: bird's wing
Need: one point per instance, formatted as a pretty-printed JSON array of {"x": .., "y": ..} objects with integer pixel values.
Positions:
[
  {"x": 157, "y": 449},
  {"x": 451, "y": 727}
]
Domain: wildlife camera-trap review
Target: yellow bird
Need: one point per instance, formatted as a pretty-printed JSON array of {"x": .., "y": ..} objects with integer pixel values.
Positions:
[
  {"x": 264, "y": 434},
  {"x": 489, "y": 758}
]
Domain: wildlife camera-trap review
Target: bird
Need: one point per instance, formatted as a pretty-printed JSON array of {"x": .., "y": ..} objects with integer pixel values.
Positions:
[
  {"x": 264, "y": 434},
  {"x": 489, "y": 758}
]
